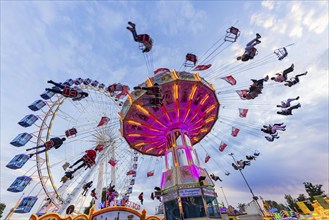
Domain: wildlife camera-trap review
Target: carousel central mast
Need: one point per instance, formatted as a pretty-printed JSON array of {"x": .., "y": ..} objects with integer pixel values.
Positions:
[{"x": 166, "y": 116}]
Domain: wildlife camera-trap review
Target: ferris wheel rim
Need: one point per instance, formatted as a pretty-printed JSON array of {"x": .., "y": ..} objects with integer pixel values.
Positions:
[{"x": 59, "y": 101}]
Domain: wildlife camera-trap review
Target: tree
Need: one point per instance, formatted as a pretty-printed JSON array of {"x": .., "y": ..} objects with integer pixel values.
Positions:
[
  {"x": 292, "y": 203},
  {"x": 301, "y": 198},
  {"x": 2, "y": 207},
  {"x": 274, "y": 204},
  {"x": 313, "y": 190}
]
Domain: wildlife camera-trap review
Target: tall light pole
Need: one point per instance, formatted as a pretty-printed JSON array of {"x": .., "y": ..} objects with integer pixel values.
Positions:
[
  {"x": 255, "y": 198},
  {"x": 224, "y": 196}
]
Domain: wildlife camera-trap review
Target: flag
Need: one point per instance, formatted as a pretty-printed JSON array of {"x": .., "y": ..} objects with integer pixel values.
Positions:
[
  {"x": 243, "y": 112},
  {"x": 201, "y": 67},
  {"x": 161, "y": 70},
  {"x": 235, "y": 131},
  {"x": 230, "y": 79},
  {"x": 222, "y": 146},
  {"x": 104, "y": 120},
  {"x": 241, "y": 93},
  {"x": 131, "y": 172},
  {"x": 100, "y": 147},
  {"x": 150, "y": 173},
  {"x": 113, "y": 162},
  {"x": 207, "y": 159}
]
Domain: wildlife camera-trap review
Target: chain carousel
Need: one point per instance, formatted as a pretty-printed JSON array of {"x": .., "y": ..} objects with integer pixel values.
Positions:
[{"x": 170, "y": 127}]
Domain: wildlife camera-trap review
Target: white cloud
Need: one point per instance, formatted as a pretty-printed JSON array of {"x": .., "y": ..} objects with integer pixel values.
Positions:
[
  {"x": 268, "y": 4},
  {"x": 297, "y": 31},
  {"x": 181, "y": 17}
]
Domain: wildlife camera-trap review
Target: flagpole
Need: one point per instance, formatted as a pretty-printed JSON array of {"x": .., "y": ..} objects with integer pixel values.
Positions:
[{"x": 255, "y": 198}]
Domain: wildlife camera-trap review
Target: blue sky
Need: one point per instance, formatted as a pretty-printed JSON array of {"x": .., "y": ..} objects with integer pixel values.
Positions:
[{"x": 42, "y": 40}]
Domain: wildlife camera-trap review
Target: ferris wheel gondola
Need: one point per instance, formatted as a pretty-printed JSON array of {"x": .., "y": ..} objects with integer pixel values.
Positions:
[{"x": 86, "y": 124}]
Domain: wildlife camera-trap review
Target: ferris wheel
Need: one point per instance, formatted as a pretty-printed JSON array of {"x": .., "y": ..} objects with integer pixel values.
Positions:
[{"x": 89, "y": 124}]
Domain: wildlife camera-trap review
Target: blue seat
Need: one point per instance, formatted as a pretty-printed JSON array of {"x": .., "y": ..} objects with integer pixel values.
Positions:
[
  {"x": 26, "y": 204},
  {"x": 18, "y": 161},
  {"x": 37, "y": 105},
  {"x": 47, "y": 95},
  {"x": 101, "y": 86},
  {"x": 78, "y": 81},
  {"x": 21, "y": 139},
  {"x": 69, "y": 82},
  {"x": 28, "y": 120},
  {"x": 87, "y": 81},
  {"x": 94, "y": 83},
  {"x": 19, "y": 184}
]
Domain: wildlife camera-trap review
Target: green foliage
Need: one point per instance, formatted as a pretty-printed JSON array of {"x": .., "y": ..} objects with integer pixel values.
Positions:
[
  {"x": 313, "y": 190},
  {"x": 301, "y": 198},
  {"x": 274, "y": 204},
  {"x": 2, "y": 207},
  {"x": 291, "y": 202},
  {"x": 87, "y": 209}
]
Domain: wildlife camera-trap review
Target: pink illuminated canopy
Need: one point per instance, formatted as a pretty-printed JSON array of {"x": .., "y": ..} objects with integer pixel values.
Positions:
[{"x": 189, "y": 103}]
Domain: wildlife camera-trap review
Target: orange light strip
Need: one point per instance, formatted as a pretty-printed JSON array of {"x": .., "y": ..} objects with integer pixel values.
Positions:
[
  {"x": 149, "y": 82},
  {"x": 210, "y": 108},
  {"x": 209, "y": 120},
  {"x": 151, "y": 148},
  {"x": 134, "y": 135},
  {"x": 174, "y": 74},
  {"x": 142, "y": 109},
  {"x": 161, "y": 151},
  {"x": 134, "y": 122},
  {"x": 197, "y": 77},
  {"x": 204, "y": 99},
  {"x": 176, "y": 98},
  {"x": 187, "y": 113},
  {"x": 148, "y": 113},
  {"x": 212, "y": 86},
  {"x": 130, "y": 98},
  {"x": 194, "y": 88},
  {"x": 197, "y": 128},
  {"x": 193, "y": 92},
  {"x": 200, "y": 119},
  {"x": 139, "y": 144},
  {"x": 175, "y": 91},
  {"x": 138, "y": 123}
]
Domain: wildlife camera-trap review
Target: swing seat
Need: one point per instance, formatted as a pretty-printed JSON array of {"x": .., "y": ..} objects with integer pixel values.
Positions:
[
  {"x": 190, "y": 60},
  {"x": 88, "y": 161},
  {"x": 145, "y": 42},
  {"x": 232, "y": 34},
  {"x": 71, "y": 132},
  {"x": 281, "y": 53}
]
